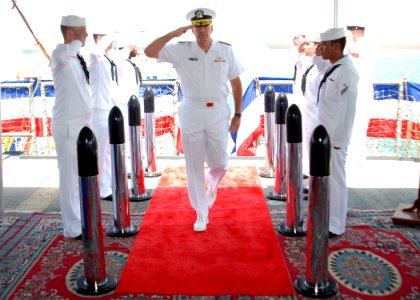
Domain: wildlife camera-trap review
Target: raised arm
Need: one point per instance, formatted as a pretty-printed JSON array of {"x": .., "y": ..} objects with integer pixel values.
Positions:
[{"x": 153, "y": 49}]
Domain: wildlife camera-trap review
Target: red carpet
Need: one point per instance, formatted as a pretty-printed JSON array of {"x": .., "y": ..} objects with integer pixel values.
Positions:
[{"x": 239, "y": 254}]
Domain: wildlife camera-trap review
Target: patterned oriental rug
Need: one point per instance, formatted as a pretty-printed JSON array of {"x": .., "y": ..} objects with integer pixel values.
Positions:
[{"x": 375, "y": 259}]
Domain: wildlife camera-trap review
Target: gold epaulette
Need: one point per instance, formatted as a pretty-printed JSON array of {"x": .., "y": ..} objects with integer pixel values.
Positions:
[{"x": 225, "y": 43}]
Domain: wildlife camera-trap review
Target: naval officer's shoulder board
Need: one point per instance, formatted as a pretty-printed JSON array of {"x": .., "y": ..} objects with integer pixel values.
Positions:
[{"x": 224, "y": 43}]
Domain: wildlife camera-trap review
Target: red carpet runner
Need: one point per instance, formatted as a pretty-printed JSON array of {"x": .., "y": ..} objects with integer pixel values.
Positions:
[{"x": 239, "y": 253}]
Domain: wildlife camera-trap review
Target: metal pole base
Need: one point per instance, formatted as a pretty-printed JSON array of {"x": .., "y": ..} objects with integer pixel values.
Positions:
[
  {"x": 279, "y": 197},
  {"x": 305, "y": 288},
  {"x": 122, "y": 232},
  {"x": 152, "y": 174},
  {"x": 266, "y": 174},
  {"x": 97, "y": 288},
  {"x": 142, "y": 197},
  {"x": 287, "y": 231}
]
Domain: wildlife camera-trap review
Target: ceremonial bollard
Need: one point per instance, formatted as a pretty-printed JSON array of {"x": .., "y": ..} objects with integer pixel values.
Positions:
[
  {"x": 294, "y": 181},
  {"x": 122, "y": 223},
  {"x": 95, "y": 281},
  {"x": 317, "y": 284},
  {"x": 149, "y": 133},
  {"x": 138, "y": 188},
  {"x": 280, "y": 190},
  {"x": 269, "y": 99}
]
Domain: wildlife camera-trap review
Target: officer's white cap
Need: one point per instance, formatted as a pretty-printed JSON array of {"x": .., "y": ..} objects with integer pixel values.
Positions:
[
  {"x": 201, "y": 16},
  {"x": 332, "y": 34},
  {"x": 73, "y": 21}
]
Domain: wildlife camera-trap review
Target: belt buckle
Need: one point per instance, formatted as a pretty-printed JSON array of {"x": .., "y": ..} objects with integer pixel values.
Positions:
[{"x": 210, "y": 104}]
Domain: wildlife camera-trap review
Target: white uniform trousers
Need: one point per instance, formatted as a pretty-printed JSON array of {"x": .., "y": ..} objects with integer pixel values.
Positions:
[
  {"x": 338, "y": 191},
  {"x": 100, "y": 129},
  {"x": 65, "y": 139},
  {"x": 204, "y": 132}
]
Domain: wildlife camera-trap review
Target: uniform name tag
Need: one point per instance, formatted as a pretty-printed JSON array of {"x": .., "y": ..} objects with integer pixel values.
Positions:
[
  {"x": 193, "y": 58},
  {"x": 219, "y": 59}
]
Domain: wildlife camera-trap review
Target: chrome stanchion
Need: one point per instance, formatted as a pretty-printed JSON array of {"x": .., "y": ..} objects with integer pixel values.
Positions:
[
  {"x": 269, "y": 99},
  {"x": 138, "y": 188},
  {"x": 317, "y": 284},
  {"x": 122, "y": 223},
  {"x": 95, "y": 280},
  {"x": 294, "y": 181},
  {"x": 149, "y": 133},
  {"x": 280, "y": 191}
]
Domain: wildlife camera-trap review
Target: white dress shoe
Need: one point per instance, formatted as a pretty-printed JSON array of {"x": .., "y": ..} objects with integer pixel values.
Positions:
[
  {"x": 201, "y": 224},
  {"x": 211, "y": 196}
]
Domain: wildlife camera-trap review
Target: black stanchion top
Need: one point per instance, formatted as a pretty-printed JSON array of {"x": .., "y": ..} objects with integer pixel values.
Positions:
[
  {"x": 269, "y": 99},
  {"x": 134, "y": 115},
  {"x": 149, "y": 100},
  {"x": 320, "y": 152},
  {"x": 116, "y": 126},
  {"x": 281, "y": 108},
  {"x": 87, "y": 153},
  {"x": 294, "y": 124}
]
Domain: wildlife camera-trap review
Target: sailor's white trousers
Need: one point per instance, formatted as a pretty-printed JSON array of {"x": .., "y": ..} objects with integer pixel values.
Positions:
[{"x": 204, "y": 132}]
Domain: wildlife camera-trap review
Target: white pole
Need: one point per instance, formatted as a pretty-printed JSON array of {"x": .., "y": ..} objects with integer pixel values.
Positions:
[{"x": 335, "y": 13}]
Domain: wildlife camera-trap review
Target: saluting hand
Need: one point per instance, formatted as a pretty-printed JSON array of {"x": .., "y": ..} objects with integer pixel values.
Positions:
[{"x": 181, "y": 30}]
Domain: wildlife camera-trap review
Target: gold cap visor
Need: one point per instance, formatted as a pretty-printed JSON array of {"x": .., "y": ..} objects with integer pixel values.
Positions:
[{"x": 202, "y": 22}]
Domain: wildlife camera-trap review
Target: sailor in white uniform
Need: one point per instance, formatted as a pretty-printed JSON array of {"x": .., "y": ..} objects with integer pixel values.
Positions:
[
  {"x": 104, "y": 80},
  {"x": 309, "y": 88},
  {"x": 336, "y": 111},
  {"x": 204, "y": 67},
  {"x": 129, "y": 80},
  {"x": 71, "y": 112},
  {"x": 361, "y": 52}
]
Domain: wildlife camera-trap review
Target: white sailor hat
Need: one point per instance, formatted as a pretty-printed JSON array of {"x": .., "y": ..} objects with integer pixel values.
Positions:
[
  {"x": 332, "y": 34},
  {"x": 118, "y": 44},
  {"x": 313, "y": 37},
  {"x": 201, "y": 16},
  {"x": 73, "y": 21}
]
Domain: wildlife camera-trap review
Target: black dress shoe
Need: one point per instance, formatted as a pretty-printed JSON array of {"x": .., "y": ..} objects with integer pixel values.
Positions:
[
  {"x": 79, "y": 237},
  {"x": 107, "y": 198},
  {"x": 129, "y": 175},
  {"x": 305, "y": 190},
  {"x": 332, "y": 235},
  {"x": 305, "y": 176}
]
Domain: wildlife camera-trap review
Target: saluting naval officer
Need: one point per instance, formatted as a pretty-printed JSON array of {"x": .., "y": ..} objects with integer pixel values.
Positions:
[
  {"x": 204, "y": 67},
  {"x": 336, "y": 110},
  {"x": 71, "y": 112}
]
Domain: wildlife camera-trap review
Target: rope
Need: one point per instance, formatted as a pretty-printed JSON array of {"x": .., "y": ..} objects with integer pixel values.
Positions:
[{"x": 30, "y": 29}]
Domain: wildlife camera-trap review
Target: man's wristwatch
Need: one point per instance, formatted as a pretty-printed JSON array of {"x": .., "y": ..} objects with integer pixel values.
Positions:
[{"x": 237, "y": 114}]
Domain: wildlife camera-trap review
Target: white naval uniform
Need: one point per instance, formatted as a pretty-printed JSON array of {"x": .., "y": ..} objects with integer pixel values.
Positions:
[
  {"x": 364, "y": 66},
  {"x": 71, "y": 112},
  {"x": 204, "y": 129},
  {"x": 102, "y": 90},
  {"x": 336, "y": 111},
  {"x": 310, "y": 112},
  {"x": 127, "y": 86}
]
